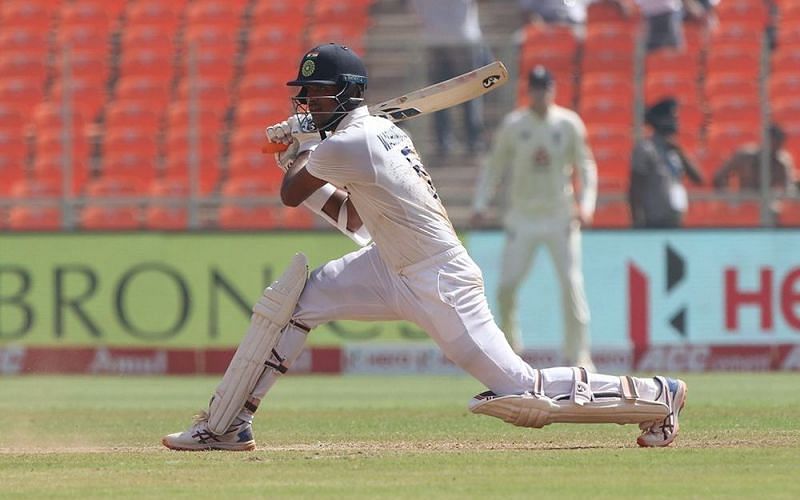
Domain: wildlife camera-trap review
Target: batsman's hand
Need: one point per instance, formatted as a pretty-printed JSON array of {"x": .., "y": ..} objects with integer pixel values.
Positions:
[{"x": 299, "y": 137}]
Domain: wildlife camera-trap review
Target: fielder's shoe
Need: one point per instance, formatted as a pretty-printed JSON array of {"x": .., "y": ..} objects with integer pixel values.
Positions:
[
  {"x": 663, "y": 432},
  {"x": 238, "y": 437}
]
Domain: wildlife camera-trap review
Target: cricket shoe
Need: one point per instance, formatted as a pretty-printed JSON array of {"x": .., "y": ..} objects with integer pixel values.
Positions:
[
  {"x": 238, "y": 437},
  {"x": 663, "y": 432}
]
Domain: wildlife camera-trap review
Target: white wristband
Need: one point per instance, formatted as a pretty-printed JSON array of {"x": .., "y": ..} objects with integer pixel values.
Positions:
[{"x": 320, "y": 197}]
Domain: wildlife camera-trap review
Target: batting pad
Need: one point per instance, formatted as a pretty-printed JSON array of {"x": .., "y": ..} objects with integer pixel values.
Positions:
[
  {"x": 270, "y": 314},
  {"x": 537, "y": 410}
]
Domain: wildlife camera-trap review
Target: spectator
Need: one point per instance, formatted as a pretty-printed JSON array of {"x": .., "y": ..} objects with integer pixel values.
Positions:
[
  {"x": 539, "y": 146},
  {"x": 664, "y": 20},
  {"x": 745, "y": 167},
  {"x": 455, "y": 45},
  {"x": 570, "y": 12},
  {"x": 658, "y": 197}
]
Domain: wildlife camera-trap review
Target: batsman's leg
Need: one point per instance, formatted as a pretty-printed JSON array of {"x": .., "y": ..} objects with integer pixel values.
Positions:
[
  {"x": 574, "y": 395},
  {"x": 266, "y": 351}
]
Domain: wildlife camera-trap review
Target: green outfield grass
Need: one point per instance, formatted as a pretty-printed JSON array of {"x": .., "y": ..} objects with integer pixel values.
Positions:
[{"x": 387, "y": 437}]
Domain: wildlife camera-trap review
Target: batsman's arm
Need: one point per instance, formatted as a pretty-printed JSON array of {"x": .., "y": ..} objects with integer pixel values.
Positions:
[{"x": 333, "y": 204}]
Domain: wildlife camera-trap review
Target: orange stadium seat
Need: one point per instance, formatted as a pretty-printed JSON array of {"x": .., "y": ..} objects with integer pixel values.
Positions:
[
  {"x": 213, "y": 13},
  {"x": 295, "y": 218},
  {"x": 89, "y": 64},
  {"x": 23, "y": 39},
  {"x": 51, "y": 168},
  {"x": 148, "y": 37},
  {"x": 280, "y": 13},
  {"x": 212, "y": 93},
  {"x": 785, "y": 61},
  {"x": 723, "y": 139},
  {"x": 177, "y": 168},
  {"x": 82, "y": 37},
  {"x": 254, "y": 164},
  {"x": 789, "y": 215},
  {"x": 685, "y": 63},
  {"x": 23, "y": 94},
  {"x": 49, "y": 115},
  {"x": 122, "y": 113},
  {"x": 786, "y": 109},
  {"x": 208, "y": 63},
  {"x": 613, "y": 214},
  {"x": 12, "y": 168},
  {"x": 25, "y": 14},
  {"x": 613, "y": 166},
  {"x": 130, "y": 165},
  {"x": 735, "y": 109},
  {"x": 147, "y": 62},
  {"x": 23, "y": 65},
  {"x": 610, "y": 36},
  {"x": 599, "y": 60},
  {"x": 239, "y": 215},
  {"x": 280, "y": 61},
  {"x": 153, "y": 91},
  {"x": 605, "y": 84},
  {"x": 153, "y": 13},
  {"x": 10, "y": 118},
  {"x": 80, "y": 13},
  {"x": 167, "y": 208},
  {"x": 350, "y": 36},
  {"x": 204, "y": 37},
  {"x": 87, "y": 96},
  {"x": 353, "y": 13},
  {"x": 714, "y": 213},
  {"x": 34, "y": 218},
  {"x": 179, "y": 114},
  {"x": 743, "y": 33},
  {"x": 279, "y": 36},
  {"x": 732, "y": 59},
  {"x": 730, "y": 85},
  {"x": 111, "y": 216},
  {"x": 49, "y": 143},
  {"x": 609, "y": 12},
  {"x": 261, "y": 112},
  {"x": 607, "y": 110},
  {"x": 259, "y": 85},
  {"x": 742, "y": 11},
  {"x": 246, "y": 140},
  {"x": 123, "y": 141}
]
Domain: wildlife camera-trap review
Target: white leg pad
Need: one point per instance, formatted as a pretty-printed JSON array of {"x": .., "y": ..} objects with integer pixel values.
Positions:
[
  {"x": 534, "y": 409},
  {"x": 270, "y": 314}
]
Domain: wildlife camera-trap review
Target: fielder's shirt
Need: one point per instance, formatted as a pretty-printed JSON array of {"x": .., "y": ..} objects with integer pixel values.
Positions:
[{"x": 540, "y": 153}]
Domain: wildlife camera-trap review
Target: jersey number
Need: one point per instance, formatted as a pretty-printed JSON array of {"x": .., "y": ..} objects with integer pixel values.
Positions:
[{"x": 416, "y": 163}]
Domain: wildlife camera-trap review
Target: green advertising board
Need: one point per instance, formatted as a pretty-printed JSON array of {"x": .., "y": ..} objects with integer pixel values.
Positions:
[{"x": 176, "y": 290}]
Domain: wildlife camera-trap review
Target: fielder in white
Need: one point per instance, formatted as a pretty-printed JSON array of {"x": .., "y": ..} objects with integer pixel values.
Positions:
[
  {"x": 366, "y": 178},
  {"x": 536, "y": 149}
]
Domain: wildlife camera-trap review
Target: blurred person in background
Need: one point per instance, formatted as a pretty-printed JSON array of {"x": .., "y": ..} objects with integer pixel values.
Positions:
[
  {"x": 570, "y": 12},
  {"x": 454, "y": 45},
  {"x": 664, "y": 20},
  {"x": 744, "y": 169},
  {"x": 657, "y": 196},
  {"x": 539, "y": 147}
]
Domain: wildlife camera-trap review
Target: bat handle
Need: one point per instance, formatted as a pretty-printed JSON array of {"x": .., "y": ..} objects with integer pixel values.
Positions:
[{"x": 273, "y": 147}]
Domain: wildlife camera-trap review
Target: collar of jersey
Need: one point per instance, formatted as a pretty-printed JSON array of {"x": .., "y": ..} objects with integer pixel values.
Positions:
[{"x": 355, "y": 115}]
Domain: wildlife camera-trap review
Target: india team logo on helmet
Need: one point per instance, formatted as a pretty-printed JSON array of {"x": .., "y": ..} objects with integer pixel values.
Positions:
[{"x": 308, "y": 68}]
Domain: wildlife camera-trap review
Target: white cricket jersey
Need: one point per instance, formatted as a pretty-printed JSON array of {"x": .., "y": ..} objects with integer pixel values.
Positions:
[
  {"x": 540, "y": 153},
  {"x": 375, "y": 161}
]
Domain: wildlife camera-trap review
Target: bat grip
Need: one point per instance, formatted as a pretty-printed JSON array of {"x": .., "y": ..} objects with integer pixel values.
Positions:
[{"x": 274, "y": 147}]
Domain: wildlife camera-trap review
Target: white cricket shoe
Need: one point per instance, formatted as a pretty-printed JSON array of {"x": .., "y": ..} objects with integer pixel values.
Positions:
[
  {"x": 238, "y": 437},
  {"x": 663, "y": 432}
]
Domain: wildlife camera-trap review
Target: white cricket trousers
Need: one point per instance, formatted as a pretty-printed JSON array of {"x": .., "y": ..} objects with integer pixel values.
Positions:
[
  {"x": 562, "y": 237},
  {"x": 443, "y": 295}
]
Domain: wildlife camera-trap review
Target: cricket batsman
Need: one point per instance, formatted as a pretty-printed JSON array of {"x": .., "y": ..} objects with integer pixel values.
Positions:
[{"x": 363, "y": 174}]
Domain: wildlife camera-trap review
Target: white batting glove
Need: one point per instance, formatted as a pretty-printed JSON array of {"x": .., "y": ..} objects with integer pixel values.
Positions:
[{"x": 300, "y": 137}]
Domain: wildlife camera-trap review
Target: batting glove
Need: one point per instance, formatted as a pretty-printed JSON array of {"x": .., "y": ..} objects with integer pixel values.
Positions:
[{"x": 299, "y": 137}]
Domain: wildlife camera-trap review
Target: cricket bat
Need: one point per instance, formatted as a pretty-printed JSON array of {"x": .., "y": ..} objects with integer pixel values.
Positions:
[{"x": 434, "y": 97}]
